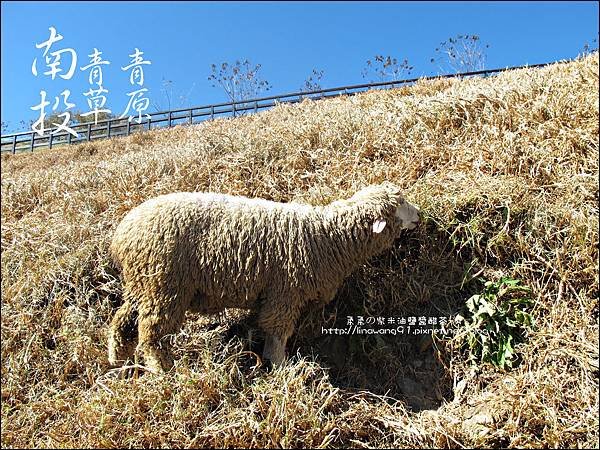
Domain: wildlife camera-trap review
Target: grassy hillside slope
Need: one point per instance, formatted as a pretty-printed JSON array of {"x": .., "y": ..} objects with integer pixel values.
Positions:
[{"x": 505, "y": 171}]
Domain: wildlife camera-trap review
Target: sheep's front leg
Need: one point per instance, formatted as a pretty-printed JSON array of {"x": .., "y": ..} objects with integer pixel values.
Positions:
[
  {"x": 274, "y": 349},
  {"x": 277, "y": 318}
]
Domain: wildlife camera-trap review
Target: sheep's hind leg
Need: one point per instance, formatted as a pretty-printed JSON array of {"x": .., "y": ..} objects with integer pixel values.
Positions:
[
  {"x": 123, "y": 333},
  {"x": 156, "y": 322}
]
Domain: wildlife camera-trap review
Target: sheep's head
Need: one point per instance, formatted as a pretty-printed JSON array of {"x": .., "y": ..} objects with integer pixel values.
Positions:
[
  {"x": 387, "y": 211},
  {"x": 406, "y": 215}
]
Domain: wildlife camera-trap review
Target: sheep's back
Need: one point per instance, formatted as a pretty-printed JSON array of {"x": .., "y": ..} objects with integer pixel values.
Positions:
[{"x": 230, "y": 246}]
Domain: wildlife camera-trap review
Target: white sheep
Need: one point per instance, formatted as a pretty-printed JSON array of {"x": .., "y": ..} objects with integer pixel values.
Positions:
[{"x": 205, "y": 252}]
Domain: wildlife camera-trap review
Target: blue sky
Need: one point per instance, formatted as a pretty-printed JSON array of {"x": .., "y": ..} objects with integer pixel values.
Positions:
[{"x": 289, "y": 39}]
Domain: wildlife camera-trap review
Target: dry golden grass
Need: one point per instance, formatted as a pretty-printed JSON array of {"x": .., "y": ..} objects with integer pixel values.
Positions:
[{"x": 505, "y": 170}]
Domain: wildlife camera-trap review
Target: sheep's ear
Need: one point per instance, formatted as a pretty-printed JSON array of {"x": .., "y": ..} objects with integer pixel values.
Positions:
[{"x": 378, "y": 226}]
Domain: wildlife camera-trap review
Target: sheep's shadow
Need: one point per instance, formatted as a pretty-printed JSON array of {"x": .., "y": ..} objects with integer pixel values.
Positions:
[
  {"x": 423, "y": 276},
  {"x": 422, "y": 282}
]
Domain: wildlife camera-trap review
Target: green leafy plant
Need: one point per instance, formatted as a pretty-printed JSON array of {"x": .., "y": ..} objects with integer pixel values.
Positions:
[{"x": 499, "y": 318}]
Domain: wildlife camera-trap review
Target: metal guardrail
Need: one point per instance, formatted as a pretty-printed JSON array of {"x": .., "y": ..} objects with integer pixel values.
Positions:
[{"x": 30, "y": 140}]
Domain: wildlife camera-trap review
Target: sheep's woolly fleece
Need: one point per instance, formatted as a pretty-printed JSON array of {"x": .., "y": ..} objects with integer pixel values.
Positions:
[{"x": 205, "y": 252}]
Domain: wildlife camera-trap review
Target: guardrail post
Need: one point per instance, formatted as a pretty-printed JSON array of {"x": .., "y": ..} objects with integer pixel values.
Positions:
[
  {"x": 128, "y": 127},
  {"x": 89, "y": 132},
  {"x": 149, "y": 124},
  {"x": 69, "y": 138},
  {"x": 233, "y": 108},
  {"x": 169, "y": 122},
  {"x": 255, "y": 106},
  {"x": 212, "y": 112},
  {"x": 108, "y": 129},
  {"x": 50, "y": 138},
  {"x": 191, "y": 116},
  {"x": 14, "y": 144},
  {"x": 32, "y": 139}
]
